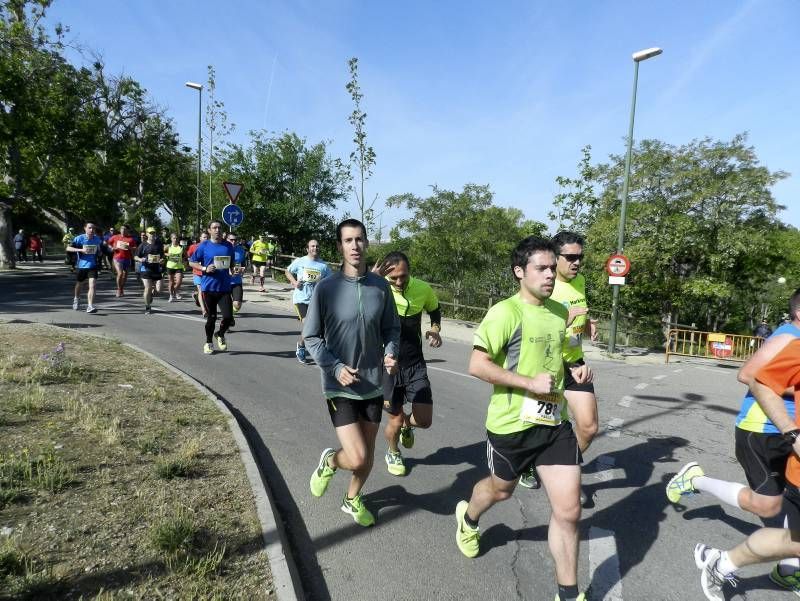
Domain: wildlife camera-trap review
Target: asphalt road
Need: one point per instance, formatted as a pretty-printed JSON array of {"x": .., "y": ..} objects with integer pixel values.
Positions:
[{"x": 634, "y": 544}]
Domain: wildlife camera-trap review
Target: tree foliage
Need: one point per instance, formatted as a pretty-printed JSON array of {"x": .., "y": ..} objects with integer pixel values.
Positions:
[
  {"x": 702, "y": 224},
  {"x": 462, "y": 240},
  {"x": 363, "y": 155},
  {"x": 291, "y": 187}
]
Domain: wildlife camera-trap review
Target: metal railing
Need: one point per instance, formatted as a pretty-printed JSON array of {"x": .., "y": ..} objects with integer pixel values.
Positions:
[{"x": 711, "y": 345}]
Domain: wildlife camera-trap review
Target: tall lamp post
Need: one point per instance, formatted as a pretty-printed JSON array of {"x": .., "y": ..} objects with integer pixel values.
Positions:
[
  {"x": 638, "y": 57},
  {"x": 199, "y": 88}
]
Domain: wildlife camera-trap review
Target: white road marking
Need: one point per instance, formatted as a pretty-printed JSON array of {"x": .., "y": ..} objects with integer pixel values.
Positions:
[
  {"x": 604, "y": 564},
  {"x": 641, "y": 386},
  {"x": 450, "y": 371},
  {"x": 677, "y": 371},
  {"x": 661, "y": 377},
  {"x": 614, "y": 426},
  {"x": 625, "y": 401},
  {"x": 189, "y": 317}
]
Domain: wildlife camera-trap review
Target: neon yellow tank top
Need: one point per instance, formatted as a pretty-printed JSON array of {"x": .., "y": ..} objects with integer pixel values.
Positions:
[{"x": 572, "y": 294}]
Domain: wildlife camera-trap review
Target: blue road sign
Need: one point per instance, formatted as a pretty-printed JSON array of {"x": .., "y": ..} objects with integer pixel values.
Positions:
[{"x": 232, "y": 215}]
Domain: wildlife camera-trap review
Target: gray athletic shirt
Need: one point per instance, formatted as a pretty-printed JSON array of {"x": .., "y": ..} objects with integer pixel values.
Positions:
[{"x": 352, "y": 321}]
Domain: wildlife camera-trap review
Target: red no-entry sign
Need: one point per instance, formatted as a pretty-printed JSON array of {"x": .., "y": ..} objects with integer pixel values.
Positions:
[{"x": 618, "y": 265}]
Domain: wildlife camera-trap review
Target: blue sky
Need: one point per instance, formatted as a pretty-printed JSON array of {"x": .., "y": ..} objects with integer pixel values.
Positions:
[{"x": 502, "y": 93}]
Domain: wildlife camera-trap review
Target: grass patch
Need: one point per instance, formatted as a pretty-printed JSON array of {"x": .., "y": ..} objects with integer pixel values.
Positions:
[
  {"x": 183, "y": 464},
  {"x": 94, "y": 459}
]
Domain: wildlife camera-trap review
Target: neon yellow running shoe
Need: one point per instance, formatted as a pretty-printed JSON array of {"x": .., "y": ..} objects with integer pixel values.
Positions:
[
  {"x": 681, "y": 483},
  {"x": 791, "y": 582},
  {"x": 221, "y": 344},
  {"x": 394, "y": 463},
  {"x": 208, "y": 349},
  {"x": 581, "y": 597},
  {"x": 355, "y": 507},
  {"x": 407, "y": 436},
  {"x": 468, "y": 539},
  {"x": 322, "y": 475}
]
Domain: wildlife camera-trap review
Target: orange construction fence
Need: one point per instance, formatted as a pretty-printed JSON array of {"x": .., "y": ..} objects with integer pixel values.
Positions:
[{"x": 712, "y": 345}]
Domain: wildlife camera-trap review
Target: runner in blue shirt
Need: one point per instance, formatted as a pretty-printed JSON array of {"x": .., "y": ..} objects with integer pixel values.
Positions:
[
  {"x": 88, "y": 247},
  {"x": 303, "y": 274},
  {"x": 239, "y": 265},
  {"x": 215, "y": 258}
]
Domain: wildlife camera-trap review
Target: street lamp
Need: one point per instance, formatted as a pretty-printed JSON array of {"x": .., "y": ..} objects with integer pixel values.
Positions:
[
  {"x": 199, "y": 88},
  {"x": 641, "y": 55}
]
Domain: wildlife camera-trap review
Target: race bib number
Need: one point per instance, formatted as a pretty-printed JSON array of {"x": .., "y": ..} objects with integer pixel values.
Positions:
[
  {"x": 261, "y": 254},
  {"x": 153, "y": 258},
  {"x": 176, "y": 257},
  {"x": 121, "y": 245},
  {"x": 223, "y": 262},
  {"x": 576, "y": 337},
  {"x": 543, "y": 409},
  {"x": 310, "y": 275},
  {"x": 89, "y": 249}
]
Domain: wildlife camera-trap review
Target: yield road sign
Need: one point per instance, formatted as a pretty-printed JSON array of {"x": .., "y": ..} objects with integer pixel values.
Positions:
[
  {"x": 618, "y": 265},
  {"x": 232, "y": 189},
  {"x": 232, "y": 215}
]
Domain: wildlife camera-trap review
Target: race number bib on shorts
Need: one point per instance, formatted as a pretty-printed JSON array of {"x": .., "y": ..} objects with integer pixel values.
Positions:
[
  {"x": 153, "y": 258},
  {"x": 122, "y": 245},
  {"x": 310, "y": 275},
  {"x": 223, "y": 262},
  {"x": 542, "y": 409},
  {"x": 89, "y": 249}
]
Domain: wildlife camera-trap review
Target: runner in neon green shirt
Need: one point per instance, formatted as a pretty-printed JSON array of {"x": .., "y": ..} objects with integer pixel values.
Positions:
[
  {"x": 518, "y": 349},
  {"x": 259, "y": 252}
]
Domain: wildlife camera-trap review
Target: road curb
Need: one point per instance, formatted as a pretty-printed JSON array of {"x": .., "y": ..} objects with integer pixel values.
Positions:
[{"x": 285, "y": 583}]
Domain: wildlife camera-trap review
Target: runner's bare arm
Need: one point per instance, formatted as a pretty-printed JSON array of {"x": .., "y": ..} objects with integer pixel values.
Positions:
[{"x": 482, "y": 367}]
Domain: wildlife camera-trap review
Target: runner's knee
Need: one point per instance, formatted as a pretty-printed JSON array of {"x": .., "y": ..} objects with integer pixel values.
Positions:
[{"x": 765, "y": 506}]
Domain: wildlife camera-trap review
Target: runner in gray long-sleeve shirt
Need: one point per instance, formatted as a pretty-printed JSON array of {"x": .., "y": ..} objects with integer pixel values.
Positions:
[{"x": 352, "y": 331}]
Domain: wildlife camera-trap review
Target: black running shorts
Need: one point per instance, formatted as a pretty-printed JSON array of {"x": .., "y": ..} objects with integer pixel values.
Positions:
[
  {"x": 151, "y": 275},
  {"x": 83, "y": 274},
  {"x": 572, "y": 385},
  {"x": 346, "y": 411},
  {"x": 763, "y": 458},
  {"x": 409, "y": 385},
  {"x": 509, "y": 455}
]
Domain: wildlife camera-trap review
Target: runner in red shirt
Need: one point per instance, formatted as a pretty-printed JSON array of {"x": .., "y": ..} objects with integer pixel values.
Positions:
[
  {"x": 197, "y": 275},
  {"x": 123, "y": 245}
]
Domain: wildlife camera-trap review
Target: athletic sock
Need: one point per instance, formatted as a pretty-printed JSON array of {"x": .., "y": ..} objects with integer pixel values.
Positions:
[
  {"x": 727, "y": 492},
  {"x": 725, "y": 565},
  {"x": 567, "y": 593},
  {"x": 470, "y": 522}
]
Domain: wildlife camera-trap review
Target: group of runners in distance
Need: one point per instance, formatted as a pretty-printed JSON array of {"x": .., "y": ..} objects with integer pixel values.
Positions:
[{"x": 363, "y": 327}]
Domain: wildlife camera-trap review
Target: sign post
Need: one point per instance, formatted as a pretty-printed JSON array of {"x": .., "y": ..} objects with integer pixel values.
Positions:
[
  {"x": 617, "y": 267},
  {"x": 232, "y": 214}
]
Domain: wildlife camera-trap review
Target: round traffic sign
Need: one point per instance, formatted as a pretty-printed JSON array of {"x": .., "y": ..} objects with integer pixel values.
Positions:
[
  {"x": 232, "y": 215},
  {"x": 618, "y": 265}
]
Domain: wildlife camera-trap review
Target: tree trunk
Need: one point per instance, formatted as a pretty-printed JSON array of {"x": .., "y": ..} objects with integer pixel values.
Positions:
[{"x": 7, "y": 256}]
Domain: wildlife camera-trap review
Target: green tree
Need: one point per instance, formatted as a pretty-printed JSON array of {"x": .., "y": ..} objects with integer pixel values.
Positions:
[
  {"x": 701, "y": 219},
  {"x": 363, "y": 156},
  {"x": 291, "y": 188},
  {"x": 461, "y": 240}
]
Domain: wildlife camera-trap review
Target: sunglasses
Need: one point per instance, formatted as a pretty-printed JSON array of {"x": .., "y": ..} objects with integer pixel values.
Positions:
[{"x": 573, "y": 258}]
